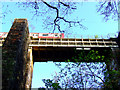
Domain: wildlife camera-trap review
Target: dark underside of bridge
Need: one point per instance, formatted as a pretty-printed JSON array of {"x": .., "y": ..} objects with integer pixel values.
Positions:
[{"x": 60, "y": 54}]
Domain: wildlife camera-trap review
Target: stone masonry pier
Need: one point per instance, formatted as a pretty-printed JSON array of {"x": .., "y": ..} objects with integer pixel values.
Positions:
[{"x": 15, "y": 60}]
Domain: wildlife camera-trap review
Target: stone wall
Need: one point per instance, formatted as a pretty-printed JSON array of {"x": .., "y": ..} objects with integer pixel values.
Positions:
[
  {"x": 14, "y": 60},
  {"x": 116, "y": 53},
  {"x": 118, "y": 39},
  {"x": 29, "y": 69}
]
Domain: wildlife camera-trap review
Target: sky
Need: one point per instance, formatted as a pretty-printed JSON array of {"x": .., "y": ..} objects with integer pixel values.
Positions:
[
  {"x": 86, "y": 11},
  {"x": 48, "y": 71}
]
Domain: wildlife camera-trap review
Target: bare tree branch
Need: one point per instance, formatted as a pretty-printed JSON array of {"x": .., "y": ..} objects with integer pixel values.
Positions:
[
  {"x": 58, "y": 17},
  {"x": 109, "y": 9},
  {"x": 94, "y": 74},
  {"x": 64, "y": 4}
]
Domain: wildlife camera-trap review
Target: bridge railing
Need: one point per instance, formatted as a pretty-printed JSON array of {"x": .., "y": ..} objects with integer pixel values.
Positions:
[
  {"x": 73, "y": 42},
  {"x": 70, "y": 38}
]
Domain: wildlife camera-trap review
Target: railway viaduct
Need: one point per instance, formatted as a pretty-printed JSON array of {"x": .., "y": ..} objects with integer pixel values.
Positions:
[{"x": 19, "y": 52}]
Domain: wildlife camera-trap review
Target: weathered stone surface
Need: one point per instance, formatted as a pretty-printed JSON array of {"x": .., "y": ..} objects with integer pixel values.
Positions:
[
  {"x": 15, "y": 56},
  {"x": 118, "y": 39},
  {"x": 115, "y": 63},
  {"x": 29, "y": 69}
]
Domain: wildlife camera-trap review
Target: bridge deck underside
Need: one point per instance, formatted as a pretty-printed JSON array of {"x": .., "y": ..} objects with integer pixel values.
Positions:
[{"x": 58, "y": 54}]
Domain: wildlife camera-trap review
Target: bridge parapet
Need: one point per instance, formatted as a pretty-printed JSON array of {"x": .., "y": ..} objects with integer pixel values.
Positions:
[{"x": 70, "y": 42}]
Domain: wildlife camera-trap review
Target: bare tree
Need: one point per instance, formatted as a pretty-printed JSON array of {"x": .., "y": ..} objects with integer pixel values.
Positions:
[
  {"x": 109, "y": 9},
  {"x": 81, "y": 74},
  {"x": 88, "y": 70},
  {"x": 55, "y": 14}
]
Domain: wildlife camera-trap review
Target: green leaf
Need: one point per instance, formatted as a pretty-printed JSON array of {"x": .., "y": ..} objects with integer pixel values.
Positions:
[
  {"x": 55, "y": 85},
  {"x": 68, "y": 60},
  {"x": 96, "y": 52}
]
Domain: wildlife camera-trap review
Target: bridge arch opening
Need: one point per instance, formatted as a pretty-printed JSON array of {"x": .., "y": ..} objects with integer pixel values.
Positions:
[{"x": 44, "y": 54}]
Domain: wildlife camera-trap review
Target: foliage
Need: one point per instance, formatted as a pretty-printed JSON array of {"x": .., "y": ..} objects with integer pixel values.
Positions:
[
  {"x": 50, "y": 84},
  {"x": 96, "y": 36},
  {"x": 112, "y": 79},
  {"x": 92, "y": 56},
  {"x": 81, "y": 74}
]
